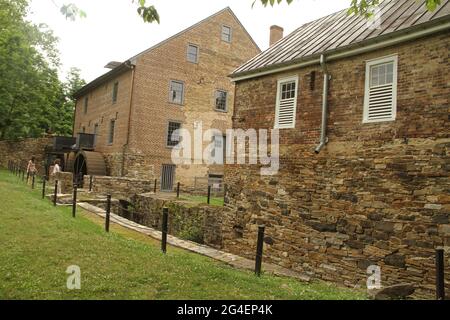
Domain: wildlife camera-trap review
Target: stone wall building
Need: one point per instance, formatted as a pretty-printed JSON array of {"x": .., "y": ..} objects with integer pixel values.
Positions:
[
  {"x": 181, "y": 82},
  {"x": 377, "y": 193},
  {"x": 21, "y": 151}
]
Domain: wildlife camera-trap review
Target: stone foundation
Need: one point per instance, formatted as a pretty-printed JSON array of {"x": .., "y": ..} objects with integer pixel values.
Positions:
[
  {"x": 21, "y": 151},
  {"x": 195, "y": 222},
  {"x": 118, "y": 187},
  {"x": 356, "y": 204}
]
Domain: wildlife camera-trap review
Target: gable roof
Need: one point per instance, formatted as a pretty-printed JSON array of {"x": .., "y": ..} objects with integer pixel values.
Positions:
[
  {"x": 194, "y": 26},
  {"x": 130, "y": 63},
  {"x": 339, "y": 32}
]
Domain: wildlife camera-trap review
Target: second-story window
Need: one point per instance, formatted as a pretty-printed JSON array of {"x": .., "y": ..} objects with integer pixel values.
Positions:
[
  {"x": 192, "y": 53},
  {"x": 226, "y": 33},
  {"x": 173, "y": 135},
  {"x": 380, "y": 103},
  {"x": 221, "y": 100},
  {"x": 86, "y": 104},
  {"x": 112, "y": 127},
  {"x": 115, "y": 92},
  {"x": 286, "y": 107},
  {"x": 176, "y": 92}
]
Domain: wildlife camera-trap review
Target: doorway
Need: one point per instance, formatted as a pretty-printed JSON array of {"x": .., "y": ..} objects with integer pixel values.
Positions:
[{"x": 167, "y": 177}]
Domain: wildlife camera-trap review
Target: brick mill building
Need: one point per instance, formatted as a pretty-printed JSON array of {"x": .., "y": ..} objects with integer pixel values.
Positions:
[
  {"x": 363, "y": 113},
  {"x": 181, "y": 82}
]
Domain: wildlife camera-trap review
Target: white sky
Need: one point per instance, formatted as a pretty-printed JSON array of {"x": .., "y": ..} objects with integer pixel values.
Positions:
[{"x": 113, "y": 31}]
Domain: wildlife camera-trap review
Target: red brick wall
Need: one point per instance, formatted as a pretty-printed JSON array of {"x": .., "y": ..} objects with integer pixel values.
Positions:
[{"x": 377, "y": 194}]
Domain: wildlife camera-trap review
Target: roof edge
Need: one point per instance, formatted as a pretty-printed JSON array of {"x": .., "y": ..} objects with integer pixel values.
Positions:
[
  {"x": 125, "y": 66},
  {"x": 397, "y": 37}
]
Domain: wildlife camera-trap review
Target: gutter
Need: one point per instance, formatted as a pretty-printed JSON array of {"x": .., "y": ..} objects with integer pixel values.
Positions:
[
  {"x": 125, "y": 146},
  {"x": 323, "y": 131},
  {"x": 352, "y": 50}
]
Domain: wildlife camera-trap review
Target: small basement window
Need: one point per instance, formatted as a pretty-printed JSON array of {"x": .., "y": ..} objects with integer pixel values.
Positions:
[{"x": 380, "y": 98}]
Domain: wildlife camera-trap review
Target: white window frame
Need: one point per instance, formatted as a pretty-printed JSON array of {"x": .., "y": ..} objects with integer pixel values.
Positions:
[
  {"x": 369, "y": 65},
  {"x": 277, "y": 108}
]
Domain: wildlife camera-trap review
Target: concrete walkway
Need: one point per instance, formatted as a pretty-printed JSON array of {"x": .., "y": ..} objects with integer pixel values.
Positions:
[{"x": 228, "y": 258}]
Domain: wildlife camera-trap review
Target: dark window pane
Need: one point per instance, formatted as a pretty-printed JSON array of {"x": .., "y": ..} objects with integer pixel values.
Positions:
[
  {"x": 176, "y": 92},
  {"x": 115, "y": 92},
  {"x": 221, "y": 100},
  {"x": 173, "y": 138}
]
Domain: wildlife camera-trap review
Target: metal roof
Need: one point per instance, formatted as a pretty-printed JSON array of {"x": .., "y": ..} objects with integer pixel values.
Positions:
[{"x": 340, "y": 31}]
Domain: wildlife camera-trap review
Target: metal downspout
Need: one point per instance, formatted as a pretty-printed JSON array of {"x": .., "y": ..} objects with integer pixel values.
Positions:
[{"x": 326, "y": 80}]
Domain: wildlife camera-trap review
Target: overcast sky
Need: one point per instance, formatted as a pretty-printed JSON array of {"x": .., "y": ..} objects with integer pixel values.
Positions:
[{"x": 113, "y": 31}]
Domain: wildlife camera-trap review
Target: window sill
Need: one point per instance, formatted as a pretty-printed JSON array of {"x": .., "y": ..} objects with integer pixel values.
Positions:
[
  {"x": 176, "y": 104},
  {"x": 221, "y": 111},
  {"x": 377, "y": 121}
]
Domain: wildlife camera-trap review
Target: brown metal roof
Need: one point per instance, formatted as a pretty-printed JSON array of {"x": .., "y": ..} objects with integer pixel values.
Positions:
[{"x": 339, "y": 31}]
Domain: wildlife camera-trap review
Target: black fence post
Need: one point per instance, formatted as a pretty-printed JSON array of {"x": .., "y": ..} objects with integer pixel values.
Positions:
[
  {"x": 224, "y": 192},
  {"x": 259, "y": 250},
  {"x": 164, "y": 230},
  {"x": 440, "y": 284},
  {"x": 108, "y": 212},
  {"x": 154, "y": 190},
  {"x": 55, "y": 195},
  {"x": 23, "y": 175},
  {"x": 74, "y": 201},
  {"x": 91, "y": 181},
  {"x": 33, "y": 180},
  {"x": 178, "y": 190},
  {"x": 44, "y": 181},
  {"x": 209, "y": 195}
]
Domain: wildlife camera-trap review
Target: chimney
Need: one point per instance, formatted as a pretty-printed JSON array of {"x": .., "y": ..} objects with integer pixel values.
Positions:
[{"x": 276, "y": 33}]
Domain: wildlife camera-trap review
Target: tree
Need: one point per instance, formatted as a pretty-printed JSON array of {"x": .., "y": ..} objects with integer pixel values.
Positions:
[
  {"x": 150, "y": 14},
  {"x": 361, "y": 7},
  {"x": 33, "y": 101}
]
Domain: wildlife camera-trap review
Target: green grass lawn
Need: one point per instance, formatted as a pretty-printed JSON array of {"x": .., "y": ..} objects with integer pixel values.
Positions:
[
  {"x": 39, "y": 242},
  {"x": 215, "y": 201}
]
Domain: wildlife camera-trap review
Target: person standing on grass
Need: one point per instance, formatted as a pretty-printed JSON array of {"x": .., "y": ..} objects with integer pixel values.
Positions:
[
  {"x": 31, "y": 168},
  {"x": 56, "y": 169}
]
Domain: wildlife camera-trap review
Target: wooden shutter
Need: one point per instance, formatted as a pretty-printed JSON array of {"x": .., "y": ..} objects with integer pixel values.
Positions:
[
  {"x": 381, "y": 90},
  {"x": 286, "y": 107}
]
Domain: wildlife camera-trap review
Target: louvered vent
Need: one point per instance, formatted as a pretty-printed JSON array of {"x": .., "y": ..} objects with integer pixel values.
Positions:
[
  {"x": 286, "y": 103},
  {"x": 381, "y": 90},
  {"x": 381, "y": 103}
]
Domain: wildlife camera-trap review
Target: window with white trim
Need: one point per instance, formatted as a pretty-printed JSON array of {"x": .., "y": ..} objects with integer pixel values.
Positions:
[
  {"x": 380, "y": 98},
  {"x": 286, "y": 107}
]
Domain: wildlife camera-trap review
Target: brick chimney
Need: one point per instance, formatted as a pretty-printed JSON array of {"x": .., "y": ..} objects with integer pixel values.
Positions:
[{"x": 276, "y": 33}]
